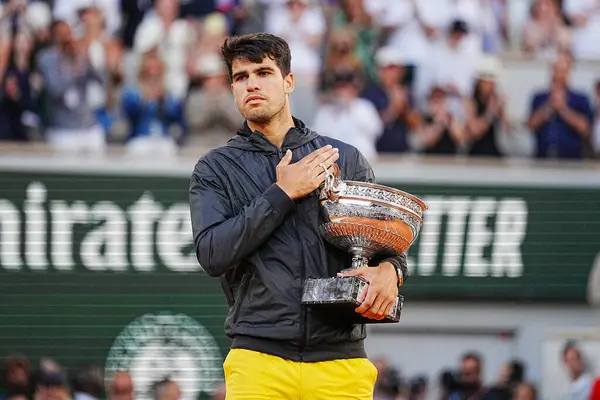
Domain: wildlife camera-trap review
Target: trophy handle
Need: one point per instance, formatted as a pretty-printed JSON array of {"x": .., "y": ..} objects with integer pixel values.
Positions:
[{"x": 332, "y": 184}]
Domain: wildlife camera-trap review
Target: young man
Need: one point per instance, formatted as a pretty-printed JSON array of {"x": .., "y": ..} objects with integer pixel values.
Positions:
[{"x": 255, "y": 217}]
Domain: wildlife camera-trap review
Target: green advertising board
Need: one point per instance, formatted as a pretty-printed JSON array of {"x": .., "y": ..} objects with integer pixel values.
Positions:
[
  {"x": 101, "y": 269},
  {"x": 98, "y": 264}
]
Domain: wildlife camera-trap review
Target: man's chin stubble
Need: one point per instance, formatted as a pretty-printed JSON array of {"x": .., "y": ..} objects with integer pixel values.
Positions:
[{"x": 259, "y": 118}]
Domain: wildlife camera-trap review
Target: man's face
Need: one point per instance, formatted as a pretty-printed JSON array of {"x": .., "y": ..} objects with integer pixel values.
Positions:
[
  {"x": 167, "y": 9},
  {"x": 62, "y": 34},
  {"x": 260, "y": 90},
  {"x": 17, "y": 376},
  {"x": 573, "y": 363},
  {"x": 171, "y": 392},
  {"x": 469, "y": 372},
  {"x": 391, "y": 74},
  {"x": 121, "y": 388},
  {"x": 52, "y": 392},
  {"x": 561, "y": 70}
]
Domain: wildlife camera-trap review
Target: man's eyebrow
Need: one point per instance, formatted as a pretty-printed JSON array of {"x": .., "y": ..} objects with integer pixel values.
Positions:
[
  {"x": 260, "y": 69},
  {"x": 240, "y": 73}
]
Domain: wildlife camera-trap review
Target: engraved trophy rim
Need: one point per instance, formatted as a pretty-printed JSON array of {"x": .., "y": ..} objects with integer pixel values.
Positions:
[{"x": 384, "y": 188}]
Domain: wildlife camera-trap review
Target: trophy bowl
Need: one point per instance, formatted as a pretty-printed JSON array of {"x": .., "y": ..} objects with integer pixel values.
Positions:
[{"x": 366, "y": 220}]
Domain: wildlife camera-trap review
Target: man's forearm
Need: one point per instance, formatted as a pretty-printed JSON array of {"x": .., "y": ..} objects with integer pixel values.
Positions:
[
  {"x": 576, "y": 121},
  {"x": 539, "y": 117}
]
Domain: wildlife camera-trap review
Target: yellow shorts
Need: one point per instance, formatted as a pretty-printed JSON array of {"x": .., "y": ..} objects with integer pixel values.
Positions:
[{"x": 250, "y": 375}]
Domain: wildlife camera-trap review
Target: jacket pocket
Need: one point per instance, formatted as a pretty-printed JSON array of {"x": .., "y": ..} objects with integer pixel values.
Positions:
[{"x": 241, "y": 295}]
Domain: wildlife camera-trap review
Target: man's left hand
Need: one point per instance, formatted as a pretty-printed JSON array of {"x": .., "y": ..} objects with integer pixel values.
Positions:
[{"x": 381, "y": 292}]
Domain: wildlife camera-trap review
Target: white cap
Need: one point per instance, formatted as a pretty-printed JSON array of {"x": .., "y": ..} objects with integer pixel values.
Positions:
[
  {"x": 38, "y": 15},
  {"x": 210, "y": 65},
  {"x": 488, "y": 67},
  {"x": 388, "y": 56}
]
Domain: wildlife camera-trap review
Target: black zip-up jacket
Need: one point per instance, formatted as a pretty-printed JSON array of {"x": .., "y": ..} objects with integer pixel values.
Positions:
[{"x": 263, "y": 245}]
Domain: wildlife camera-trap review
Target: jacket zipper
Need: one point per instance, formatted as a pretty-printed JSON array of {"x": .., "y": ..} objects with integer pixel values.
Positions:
[{"x": 303, "y": 316}]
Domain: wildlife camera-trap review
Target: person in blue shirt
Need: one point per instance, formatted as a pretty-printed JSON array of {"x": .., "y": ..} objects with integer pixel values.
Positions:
[
  {"x": 149, "y": 108},
  {"x": 394, "y": 102},
  {"x": 561, "y": 118}
]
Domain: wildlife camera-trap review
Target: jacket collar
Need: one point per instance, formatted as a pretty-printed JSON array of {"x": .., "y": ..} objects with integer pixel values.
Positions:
[{"x": 295, "y": 137}]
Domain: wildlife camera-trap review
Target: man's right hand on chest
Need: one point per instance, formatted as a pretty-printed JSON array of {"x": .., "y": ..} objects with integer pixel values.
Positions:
[{"x": 301, "y": 178}]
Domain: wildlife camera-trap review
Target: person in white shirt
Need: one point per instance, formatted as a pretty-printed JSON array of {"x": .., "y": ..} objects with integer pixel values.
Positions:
[
  {"x": 350, "y": 118},
  {"x": 585, "y": 16},
  {"x": 452, "y": 66},
  {"x": 174, "y": 38},
  {"x": 302, "y": 24},
  {"x": 581, "y": 381}
]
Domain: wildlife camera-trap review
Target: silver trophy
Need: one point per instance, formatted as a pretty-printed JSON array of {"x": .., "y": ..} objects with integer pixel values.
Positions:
[{"x": 366, "y": 220}]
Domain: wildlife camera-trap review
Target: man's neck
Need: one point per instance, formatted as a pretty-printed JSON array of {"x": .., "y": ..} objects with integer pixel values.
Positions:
[
  {"x": 274, "y": 130},
  {"x": 575, "y": 376}
]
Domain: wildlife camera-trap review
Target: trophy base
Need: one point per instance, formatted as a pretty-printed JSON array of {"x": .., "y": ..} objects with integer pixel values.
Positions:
[{"x": 338, "y": 298}]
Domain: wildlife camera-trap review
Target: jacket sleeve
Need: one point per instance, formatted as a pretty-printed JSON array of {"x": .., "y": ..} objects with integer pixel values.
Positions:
[
  {"x": 363, "y": 172},
  {"x": 223, "y": 239}
]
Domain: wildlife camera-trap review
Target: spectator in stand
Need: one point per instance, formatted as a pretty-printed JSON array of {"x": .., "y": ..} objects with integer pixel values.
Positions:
[
  {"x": 16, "y": 377},
  {"x": 441, "y": 133},
  {"x": 393, "y": 100},
  {"x": 580, "y": 387},
  {"x": 452, "y": 66},
  {"x": 67, "y": 71},
  {"x": 596, "y": 133},
  {"x": 561, "y": 118},
  {"x": 121, "y": 387},
  {"x": 448, "y": 384},
  {"x": 512, "y": 375},
  {"x": 584, "y": 16},
  {"x": 350, "y": 118},
  {"x": 17, "y": 97},
  {"x": 477, "y": 16},
  {"x": 68, "y": 11},
  {"x": 155, "y": 116},
  {"x": 418, "y": 389},
  {"x": 388, "y": 385},
  {"x": 87, "y": 383},
  {"x": 340, "y": 55},
  {"x": 302, "y": 24},
  {"x": 352, "y": 14},
  {"x": 174, "y": 37},
  {"x": 485, "y": 111},
  {"x": 471, "y": 383},
  {"x": 525, "y": 391},
  {"x": 52, "y": 385},
  {"x": 211, "y": 112},
  {"x": 106, "y": 55},
  {"x": 211, "y": 33},
  {"x": 414, "y": 28},
  {"x": 545, "y": 34}
]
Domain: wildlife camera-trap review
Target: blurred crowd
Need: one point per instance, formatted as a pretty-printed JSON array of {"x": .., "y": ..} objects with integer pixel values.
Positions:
[
  {"x": 388, "y": 76},
  {"x": 466, "y": 382},
  {"x": 50, "y": 381}
]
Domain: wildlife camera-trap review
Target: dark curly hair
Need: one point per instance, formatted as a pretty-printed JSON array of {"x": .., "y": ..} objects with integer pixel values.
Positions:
[{"x": 254, "y": 48}]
